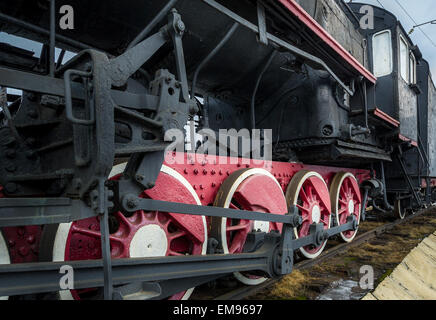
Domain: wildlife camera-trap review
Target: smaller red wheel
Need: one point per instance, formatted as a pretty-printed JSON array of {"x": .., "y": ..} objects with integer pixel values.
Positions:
[
  {"x": 346, "y": 201},
  {"x": 308, "y": 191}
]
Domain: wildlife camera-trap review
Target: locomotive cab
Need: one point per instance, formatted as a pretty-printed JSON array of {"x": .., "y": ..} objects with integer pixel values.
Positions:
[
  {"x": 403, "y": 93},
  {"x": 392, "y": 59}
]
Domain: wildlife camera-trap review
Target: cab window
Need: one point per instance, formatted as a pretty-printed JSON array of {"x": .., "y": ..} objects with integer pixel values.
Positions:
[
  {"x": 382, "y": 53},
  {"x": 412, "y": 69},
  {"x": 404, "y": 59}
]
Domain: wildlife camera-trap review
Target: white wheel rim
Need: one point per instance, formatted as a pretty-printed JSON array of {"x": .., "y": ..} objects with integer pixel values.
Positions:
[
  {"x": 336, "y": 208},
  {"x": 294, "y": 199},
  {"x": 61, "y": 238},
  {"x": 401, "y": 211},
  {"x": 4, "y": 256},
  {"x": 248, "y": 173}
]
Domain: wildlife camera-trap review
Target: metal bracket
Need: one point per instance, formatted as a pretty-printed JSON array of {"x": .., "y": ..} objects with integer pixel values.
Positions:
[{"x": 69, "y": 100}]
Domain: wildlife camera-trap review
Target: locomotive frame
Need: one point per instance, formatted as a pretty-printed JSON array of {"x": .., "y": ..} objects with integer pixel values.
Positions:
[{"x": 92, "y": 96}]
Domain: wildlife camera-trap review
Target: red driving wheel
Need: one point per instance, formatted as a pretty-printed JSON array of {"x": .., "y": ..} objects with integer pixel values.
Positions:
[{"x": 143, "y": 234}]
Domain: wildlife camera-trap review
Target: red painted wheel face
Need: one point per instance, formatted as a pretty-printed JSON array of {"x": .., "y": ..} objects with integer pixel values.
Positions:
[
  {"x": 144, "y": 234},
  {"x": 349, "y": 203},
  {"x": 313, "y": 203},
  {"x": 256, "y": 193},
  {"x": 23, "y": 242}
]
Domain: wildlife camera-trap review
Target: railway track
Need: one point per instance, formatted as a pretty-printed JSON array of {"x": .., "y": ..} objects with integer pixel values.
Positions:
[{"x": 247, "y": 291}]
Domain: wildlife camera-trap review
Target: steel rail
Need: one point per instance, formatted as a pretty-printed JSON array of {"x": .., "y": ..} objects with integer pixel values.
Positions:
[{"x": 247, "y": 291}]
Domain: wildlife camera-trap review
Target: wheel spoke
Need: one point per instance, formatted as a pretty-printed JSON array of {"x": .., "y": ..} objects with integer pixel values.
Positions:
[
  {"x": 342, "y": 210},
  {"x": 309, "y": 191},
  {"x": 325, "y": 221},
  {"x": 232, "y": 206},
  {"x": 344, "y": 202},
  {"x": 123, "y": 218},
  {"x": 304, "y": 209},
  {"x": 174, "y": 253},
  {"x": 239, "y": 226},
  {"x": 175, "y": 235},
  {"x": 93, "y": 234},
  {"x": 303, "y": 195}
]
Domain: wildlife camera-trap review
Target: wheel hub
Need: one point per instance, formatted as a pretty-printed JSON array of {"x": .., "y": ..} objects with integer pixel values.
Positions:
[
  {"x": 316, "y": 214},
  {"x": 262, "y": 226},
  {"x": 351, "y": 206},
  {"x": 149, "y": 241}
]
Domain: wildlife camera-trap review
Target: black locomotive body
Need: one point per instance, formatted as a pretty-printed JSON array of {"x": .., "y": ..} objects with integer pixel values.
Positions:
[{"x": 85, "y": 173}]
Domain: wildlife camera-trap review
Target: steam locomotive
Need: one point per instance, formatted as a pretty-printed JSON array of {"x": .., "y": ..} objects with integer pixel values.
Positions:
[{"x": 88, "y": 184}]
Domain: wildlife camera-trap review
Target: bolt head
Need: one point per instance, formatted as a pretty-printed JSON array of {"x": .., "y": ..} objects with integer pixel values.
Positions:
[{"x": 181, "y": 26}]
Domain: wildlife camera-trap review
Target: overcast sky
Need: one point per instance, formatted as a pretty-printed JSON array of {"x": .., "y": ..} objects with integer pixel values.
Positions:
[{"x": 420, "y": 11}]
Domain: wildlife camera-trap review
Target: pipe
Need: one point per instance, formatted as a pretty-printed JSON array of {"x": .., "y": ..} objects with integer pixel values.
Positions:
[
  {"x": 52, "y": 58},
  {"x": 41, "y": 31},
  {"x": 211, "y": 55},
  {"x": 365, "y": 101},
  {"x": 386, "y": 203},
  {"x": 279, "y": 42},
  {"x": 256, "y": 88},
  {"x": 363, "y": 209}
]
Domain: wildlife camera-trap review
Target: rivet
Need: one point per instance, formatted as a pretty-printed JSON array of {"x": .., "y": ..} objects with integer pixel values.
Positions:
[
  {"x": 23, "y": 251},
  {"x": 30, "y": 239}
]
